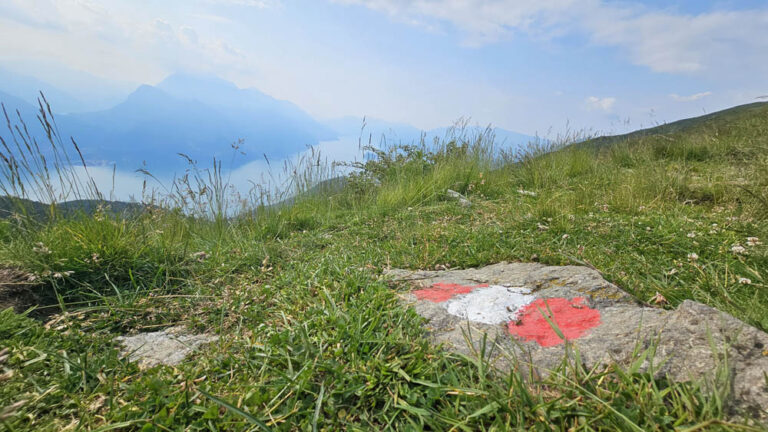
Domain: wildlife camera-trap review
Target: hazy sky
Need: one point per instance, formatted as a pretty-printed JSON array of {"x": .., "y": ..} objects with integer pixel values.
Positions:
[{"x": 525, "y": 65}]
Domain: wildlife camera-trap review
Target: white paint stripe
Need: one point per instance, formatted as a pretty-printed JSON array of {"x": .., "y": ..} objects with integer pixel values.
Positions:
[{"x": 492, "y": 305}]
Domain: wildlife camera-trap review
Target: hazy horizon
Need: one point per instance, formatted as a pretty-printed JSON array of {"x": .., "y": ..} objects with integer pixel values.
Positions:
[{"x": 286, "y": 71}]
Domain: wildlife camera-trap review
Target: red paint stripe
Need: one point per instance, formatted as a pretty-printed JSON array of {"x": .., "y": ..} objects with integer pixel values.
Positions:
[
  {"x": 573, "y": 317},
  {"x": 442, "y": 291}
]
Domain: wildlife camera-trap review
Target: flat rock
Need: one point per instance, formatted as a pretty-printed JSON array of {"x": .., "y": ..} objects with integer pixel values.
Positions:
[
  {"x": 517, "y": 306},
  {"x": 167, "y": 347}
]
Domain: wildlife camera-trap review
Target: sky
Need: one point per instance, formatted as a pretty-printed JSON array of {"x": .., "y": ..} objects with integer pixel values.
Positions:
[{"x": 530, "y": 66}]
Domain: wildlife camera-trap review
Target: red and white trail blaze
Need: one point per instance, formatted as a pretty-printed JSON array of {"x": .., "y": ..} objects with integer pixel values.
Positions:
[{"x": 527, "y": 317}]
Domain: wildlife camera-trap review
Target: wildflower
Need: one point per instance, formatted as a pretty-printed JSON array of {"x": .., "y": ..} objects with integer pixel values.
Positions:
[
  {"x": 541, "y": 227},
  {"x": 41, "y": 249},
  {"x": 744, "y": 281},
  {"x": 200, "y": 256},
  {"x": 604, "y": 207},
  {"x": 571, "y": 217},
  {"x": 565, "y": 236},
  {"x": 738, "y": 249},
  {"x": 691, "y": 235},
  {"x": 641, "y": 208},
  {"x": 60, "y": 275},
  {"x": 753, "y": 241},
  {"x": 693, "y": 256},
  {"x": 525, "y": 192},
  {"x": 659, "y": 299}
]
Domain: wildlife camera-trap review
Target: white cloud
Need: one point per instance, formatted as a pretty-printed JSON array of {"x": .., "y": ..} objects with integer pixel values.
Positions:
[
  {"x": 661, "y": 40},
  {"x": 602, "y": 104},
  {"x": 113, "y": 43},
  {"x": 690, "y": 98}
]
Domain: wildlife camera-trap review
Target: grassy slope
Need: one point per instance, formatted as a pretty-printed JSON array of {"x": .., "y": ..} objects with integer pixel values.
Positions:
[
  {"x": 693, "y": 125},
  {"x": 312, "y": 338}
]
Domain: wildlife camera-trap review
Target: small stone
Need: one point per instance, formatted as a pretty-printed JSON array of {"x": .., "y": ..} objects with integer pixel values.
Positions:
[
  {"x": 167, "y": 347},
  {"x": 463, "y": 201}
]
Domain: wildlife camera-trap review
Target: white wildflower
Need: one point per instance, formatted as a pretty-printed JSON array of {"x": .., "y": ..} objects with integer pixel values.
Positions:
[
  {"x": 753, "y": 241},
  {"x": 745, "y": 281},
  {"x": 525, "y": 192},
  {"x": 738, "y": 249},
  {"x": 541, "y": 227},
  {"x": 41, "y": 249},
  {"x": 691, "y": 234},
  {"x": 565, "y": 236},
  {"x": 693, "y": 256}
]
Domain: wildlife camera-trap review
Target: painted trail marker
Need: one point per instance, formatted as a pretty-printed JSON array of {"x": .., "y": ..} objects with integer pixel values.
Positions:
[
  {"x": 541, "y": 321},
  {"x": 516, "y": 305}
]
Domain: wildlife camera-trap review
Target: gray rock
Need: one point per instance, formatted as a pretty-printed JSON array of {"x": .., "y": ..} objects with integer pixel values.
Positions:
[
  {"x": 690, "y": 342},
  {"x": 463, "y": 201},
  {"x": 166, "y": 347}
]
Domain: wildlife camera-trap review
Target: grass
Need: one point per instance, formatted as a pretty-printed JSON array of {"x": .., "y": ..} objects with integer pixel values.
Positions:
[{"x": 313, "y": 339}]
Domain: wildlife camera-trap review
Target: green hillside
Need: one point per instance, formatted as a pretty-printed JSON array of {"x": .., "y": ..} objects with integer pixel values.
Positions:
[
  {"x": 33, "y": 209},
  {"x": 311, "y": 336},
  {"x": 720, "y": 121}
]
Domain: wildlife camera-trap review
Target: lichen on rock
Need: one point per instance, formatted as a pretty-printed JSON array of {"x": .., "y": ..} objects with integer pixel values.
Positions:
[{"x": 166, "y": 347}]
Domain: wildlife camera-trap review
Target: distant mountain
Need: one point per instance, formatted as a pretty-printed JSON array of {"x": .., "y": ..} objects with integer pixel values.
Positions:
[
  {"x": 28, "y": 88},
  {"x": 39, "y": 211},
  {"x": 12, "y": 104},
  {"x": 253, "y": 108},
  {"x": 197, "y": 116},
  {"x": 70, "y": 91},
  {"x": 201, "y": 117}
]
